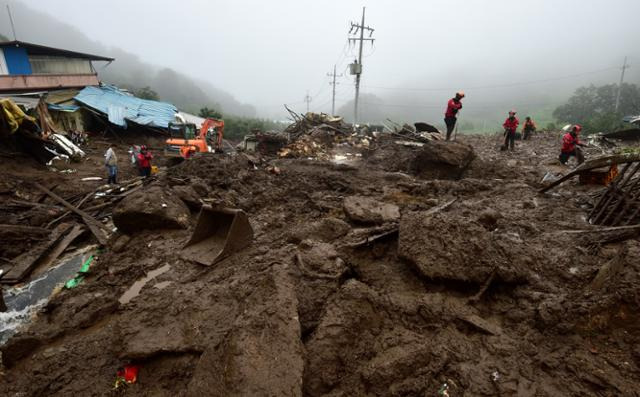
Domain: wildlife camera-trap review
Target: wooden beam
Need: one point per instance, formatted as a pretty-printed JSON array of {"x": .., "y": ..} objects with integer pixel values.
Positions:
[{"x": 97, "y": 229}]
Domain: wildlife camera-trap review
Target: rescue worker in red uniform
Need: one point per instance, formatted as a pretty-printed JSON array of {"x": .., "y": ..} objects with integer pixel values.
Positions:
[
  {"x": 571, "y": 145},
  {"x": 144, "y": 161},
  {"x": 528, "y": 128},
  {"x": 453, "y": 106},
  {"x": 510, "y": 126}
]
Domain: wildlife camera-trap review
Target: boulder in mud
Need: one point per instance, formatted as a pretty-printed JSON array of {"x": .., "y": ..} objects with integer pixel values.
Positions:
[
  {"x": 151, "y": 208},
  {"x": 442, "y": 160},
  {"x": 326, "y": 229},
  {"x": 451, "y": 247},
  {"x": 366, "y": 210},
  {"x": 188, "y": 195}
]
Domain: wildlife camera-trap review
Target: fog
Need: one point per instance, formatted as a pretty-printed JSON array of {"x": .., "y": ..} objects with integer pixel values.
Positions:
[{"x": 528, "y": 55}]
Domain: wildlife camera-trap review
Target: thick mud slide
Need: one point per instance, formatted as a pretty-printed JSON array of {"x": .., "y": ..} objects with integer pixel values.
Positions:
[{"x": 398, "y": 275}]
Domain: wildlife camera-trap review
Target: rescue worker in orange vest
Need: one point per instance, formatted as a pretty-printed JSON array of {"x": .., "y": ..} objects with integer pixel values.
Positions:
[
  {"x": 571, "y": 145},
  {"x": 528, "y": 128},
  {"x": 510, "y": 126},
  {"x": 453, "y": 106}
]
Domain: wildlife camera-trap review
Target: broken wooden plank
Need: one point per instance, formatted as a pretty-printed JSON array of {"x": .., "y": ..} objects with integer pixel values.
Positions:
[
  {"x": 593, "y": 164},
  {"x": 27, "y": 261},
  {"x": 47, "y": 260},
  {"x": 97, "y": 229},
  {"x": 23, "y": 230}
]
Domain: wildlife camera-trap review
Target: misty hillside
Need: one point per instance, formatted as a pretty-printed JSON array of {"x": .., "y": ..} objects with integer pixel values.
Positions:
[{"x": 127, "y": 70}]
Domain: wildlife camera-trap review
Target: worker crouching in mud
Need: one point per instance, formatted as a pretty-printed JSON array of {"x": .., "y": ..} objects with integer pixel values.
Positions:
[
  {"x": 510, "y": 126},
  {"x": 571, "y": 145},
  {"x": 453, "y": 106},
  {"x": 528, "y": 128},
  {"x": 144, "y": 161}
]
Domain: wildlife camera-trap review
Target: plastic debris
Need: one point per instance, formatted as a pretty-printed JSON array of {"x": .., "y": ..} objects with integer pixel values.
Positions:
[
  {"x": 495, "y": 376},
  {"x": 444, "y": 390},
  {"x": 126, "y": 375},
  {"x": 77, "y": 280}
]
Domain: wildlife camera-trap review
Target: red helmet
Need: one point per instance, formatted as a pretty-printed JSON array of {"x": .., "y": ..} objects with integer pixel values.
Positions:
[
  {"x": 143, "y": 147},
  {"x": 577, "y": 128}
]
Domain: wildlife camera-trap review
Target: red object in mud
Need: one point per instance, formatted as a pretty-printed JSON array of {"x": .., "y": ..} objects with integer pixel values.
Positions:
[
  {"x": 129, "y": 373},
  {"x": 511, "y": 124}
]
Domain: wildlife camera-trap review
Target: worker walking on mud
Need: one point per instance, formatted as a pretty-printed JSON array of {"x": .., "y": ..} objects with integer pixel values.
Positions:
[
  {"x": 510, "y": 126},
  {"x": 144, "y": 161},
  {"x": 571, "y": 145},
  {"x": 111, "y": 162},
  {"x": 528, "y": 128},
  {"x": 453, "y": 106}
]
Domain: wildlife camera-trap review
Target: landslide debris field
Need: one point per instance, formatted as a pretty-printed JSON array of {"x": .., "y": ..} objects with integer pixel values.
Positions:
[{"x": 408, "y": 271}]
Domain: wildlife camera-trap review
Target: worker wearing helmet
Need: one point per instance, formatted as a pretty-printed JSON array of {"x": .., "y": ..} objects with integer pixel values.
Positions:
[
  {"x": 510, "y": 126},
  {"x": 144, "y": 161},
  {"x": 571, "y": 145},
  {"x": 528, "y": 128},
  {"x": 453, "y": 106}
]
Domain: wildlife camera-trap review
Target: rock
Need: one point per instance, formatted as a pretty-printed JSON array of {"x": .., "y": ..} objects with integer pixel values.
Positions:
[
  {"x": 326, "y": 230},
  {"x": 367, "y": 210},
  {"x": 262, "y": 354},
  {"x": 151, "y": 208},
  {"x": 120, "y": 243},
  {"x": 442, "y": 160},
  {"x": 188, "y": 195},
  {"x": 450, "y": 247}
]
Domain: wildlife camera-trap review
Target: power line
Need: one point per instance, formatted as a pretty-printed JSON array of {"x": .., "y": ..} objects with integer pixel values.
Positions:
[{"x": 497, "y": 85}]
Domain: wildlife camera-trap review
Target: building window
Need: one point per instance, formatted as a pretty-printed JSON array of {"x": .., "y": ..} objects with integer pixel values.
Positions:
[{"x": 45, "y": 64}]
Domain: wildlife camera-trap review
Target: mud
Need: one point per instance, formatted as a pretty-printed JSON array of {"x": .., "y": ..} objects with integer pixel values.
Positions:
[{"x": 310, "y": 309}]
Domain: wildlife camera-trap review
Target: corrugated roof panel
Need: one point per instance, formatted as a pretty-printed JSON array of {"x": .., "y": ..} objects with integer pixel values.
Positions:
[{"x": 120, "y": 106}]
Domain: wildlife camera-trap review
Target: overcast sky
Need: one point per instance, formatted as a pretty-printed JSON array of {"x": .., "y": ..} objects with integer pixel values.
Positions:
[{"x": 269, "y": 52}]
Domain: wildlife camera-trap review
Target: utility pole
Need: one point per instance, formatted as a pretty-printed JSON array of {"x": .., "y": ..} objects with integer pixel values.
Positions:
[
  {"x": 624, "y": 66},
  {"x": 307, "y": 99},
  {"x": 356, "y": 67},
  {"x": 333, "y": 98}
]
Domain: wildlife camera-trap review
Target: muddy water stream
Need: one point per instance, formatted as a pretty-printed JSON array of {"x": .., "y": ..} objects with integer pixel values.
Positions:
[{"x": 24, "y": 300}]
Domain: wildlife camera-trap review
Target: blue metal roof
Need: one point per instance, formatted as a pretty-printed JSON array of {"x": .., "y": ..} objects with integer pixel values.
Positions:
[{"x": 120, "y": 106}]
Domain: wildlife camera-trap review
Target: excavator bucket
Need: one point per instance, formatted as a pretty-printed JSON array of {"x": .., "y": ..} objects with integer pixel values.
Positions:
[{"x": 219, "y": 232}]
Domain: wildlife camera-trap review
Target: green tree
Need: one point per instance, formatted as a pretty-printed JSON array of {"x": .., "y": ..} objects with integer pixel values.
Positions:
[
  {"x": 207, "y": 112},
  {"x": 594, "y": 107},
  {"x": 146, "y": 93}
]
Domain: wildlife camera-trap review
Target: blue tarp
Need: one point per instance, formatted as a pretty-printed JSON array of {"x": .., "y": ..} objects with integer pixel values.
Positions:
[{"x": 120, "y": 106}]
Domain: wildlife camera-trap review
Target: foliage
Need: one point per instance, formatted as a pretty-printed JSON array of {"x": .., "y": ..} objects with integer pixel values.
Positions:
[
  {"x": 594, "y": 107},
  {"x": 236, "y": 127},
  {"x": 207, "y": 112},
  {"x": 146, "y": 93}
]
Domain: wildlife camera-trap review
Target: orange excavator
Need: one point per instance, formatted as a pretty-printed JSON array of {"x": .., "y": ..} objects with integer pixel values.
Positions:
[{"x": 185, "y": 140}]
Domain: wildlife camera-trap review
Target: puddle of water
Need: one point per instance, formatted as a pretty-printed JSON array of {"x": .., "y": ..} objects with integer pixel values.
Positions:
[
  {"x": 23, "y": 301},
  {"x": 135, "y": 289}
]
